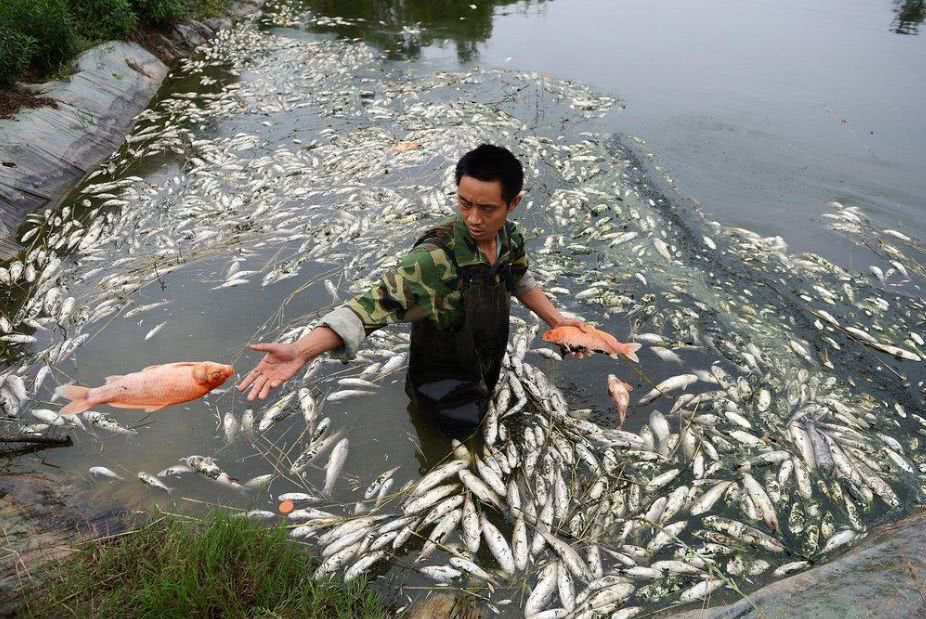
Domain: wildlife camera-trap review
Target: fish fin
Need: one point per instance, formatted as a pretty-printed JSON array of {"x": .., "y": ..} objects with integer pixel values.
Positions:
[
  {"x": 630, "y": 351},
  {"x": 110, "y": 379},
  {"x": 77, "y": 395},
  {"x": 145, "y": 407},
  {"x": 161, "y": 365}
]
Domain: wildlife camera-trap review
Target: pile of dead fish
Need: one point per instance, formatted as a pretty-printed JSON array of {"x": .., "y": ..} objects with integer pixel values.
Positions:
[
  {"x": 583, "y": 519},
  {"x": 777, "y": 416}
]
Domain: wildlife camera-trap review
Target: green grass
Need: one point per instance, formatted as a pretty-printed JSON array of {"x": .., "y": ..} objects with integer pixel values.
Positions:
[
  {"x": 160, "y": 12},
  {"x": 209, "y": 8},
  {"x": 103, "y": 20},
  {"x": 16, "y": 50},
  {"x": 220, "y": 566},
  {"x": 48, "y": 23},
  {"x": 42, "y": 35}
]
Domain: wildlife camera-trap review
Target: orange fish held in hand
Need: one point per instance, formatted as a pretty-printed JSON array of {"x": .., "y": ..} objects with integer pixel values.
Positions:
[
  {"x": 151, "y": 389},
  {"x": 620, "y": 395},
  {"x": 598, "y": 341}
]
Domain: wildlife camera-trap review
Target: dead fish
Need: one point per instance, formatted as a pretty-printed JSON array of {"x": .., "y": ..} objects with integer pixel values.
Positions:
[
  {"x": 260, "y": 482},
  {"x": 574, "y": 338},
  {"x": 230, "y": 426},
  {"x": 175, "y": 471},
  {"x": 154, "y": 331},
  {"x": 682, "y": 381},
  {"x": 150, "y": 389},
  {"x": 103, "y": 472},
  {"x": 154, "y": 482},
  {"x": 619, "y": 392},
  {"x": 337, "y": 396},
  {"x": 335, "y": 464}
]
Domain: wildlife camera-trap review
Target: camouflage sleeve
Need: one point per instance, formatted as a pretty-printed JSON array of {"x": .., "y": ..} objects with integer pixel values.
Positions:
[
  {"x": 522, "y": 280},
  {"x": 420, "y": 287},
  {"x": 347, "y": 325}
]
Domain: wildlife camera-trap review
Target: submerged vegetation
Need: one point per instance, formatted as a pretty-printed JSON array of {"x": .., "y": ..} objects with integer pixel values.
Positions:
[
  {"x": 176, "y": 566},
  {"x": 38, "y": 36}
]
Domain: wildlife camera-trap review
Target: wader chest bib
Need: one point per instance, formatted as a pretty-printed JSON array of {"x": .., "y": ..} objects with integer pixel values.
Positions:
[{"x": 451, "y": 374}]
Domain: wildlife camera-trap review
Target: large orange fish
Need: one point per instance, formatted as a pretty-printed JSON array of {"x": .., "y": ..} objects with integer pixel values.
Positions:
[
  {"x": 151, "y": 389},
  {"x": 574, "y": 338}
]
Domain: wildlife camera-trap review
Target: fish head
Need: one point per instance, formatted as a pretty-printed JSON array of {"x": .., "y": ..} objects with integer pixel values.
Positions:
[
  {"x": 550, "y": 336},
  {"x": 212, "y": 374}
]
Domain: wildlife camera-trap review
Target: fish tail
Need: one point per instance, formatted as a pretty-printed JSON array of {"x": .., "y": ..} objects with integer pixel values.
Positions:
[
  {"x": 78, "y": 397},
  {"x": 630, "y": 351}
]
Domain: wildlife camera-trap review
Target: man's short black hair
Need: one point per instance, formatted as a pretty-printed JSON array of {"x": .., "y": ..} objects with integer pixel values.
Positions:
[{"x": 493, "y": 163}]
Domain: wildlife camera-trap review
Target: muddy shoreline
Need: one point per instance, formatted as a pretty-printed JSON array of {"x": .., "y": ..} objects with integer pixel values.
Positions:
[
  {"x": 43, "y": 519},
  {"x": 45, "y": 151}
]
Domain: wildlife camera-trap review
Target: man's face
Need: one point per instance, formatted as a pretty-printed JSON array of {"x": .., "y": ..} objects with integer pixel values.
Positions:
[{"x": 482, "y": 207}]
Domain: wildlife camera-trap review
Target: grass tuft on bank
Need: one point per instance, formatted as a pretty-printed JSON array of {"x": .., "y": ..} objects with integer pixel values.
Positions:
[
  {"x": 220, "y": 566},
  {"x": 38, "y": 37}
]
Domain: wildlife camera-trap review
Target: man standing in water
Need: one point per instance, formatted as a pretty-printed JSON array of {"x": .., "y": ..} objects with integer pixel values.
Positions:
[{"x": 454, "y": 286}]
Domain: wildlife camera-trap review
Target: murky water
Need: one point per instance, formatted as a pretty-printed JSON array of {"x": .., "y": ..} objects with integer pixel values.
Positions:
[{"x": 273, "y": 150}]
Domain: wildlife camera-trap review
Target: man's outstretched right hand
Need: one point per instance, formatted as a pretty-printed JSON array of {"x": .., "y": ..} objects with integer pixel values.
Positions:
[{"x": 281, "y": 363}]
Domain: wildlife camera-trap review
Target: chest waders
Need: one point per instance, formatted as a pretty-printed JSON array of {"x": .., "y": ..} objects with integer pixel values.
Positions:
[{"x": 452, "y": 374}]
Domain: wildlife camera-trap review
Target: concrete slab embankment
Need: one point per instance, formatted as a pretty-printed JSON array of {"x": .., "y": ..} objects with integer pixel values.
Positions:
[
  {"x": 44, "y": 152},
  {"x": 884, "y": 576}
]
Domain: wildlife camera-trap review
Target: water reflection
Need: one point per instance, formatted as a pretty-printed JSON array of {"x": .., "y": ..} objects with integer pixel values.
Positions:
[
  {"x": 402, "y": 28},
  {"x": 910, "y": 14}
]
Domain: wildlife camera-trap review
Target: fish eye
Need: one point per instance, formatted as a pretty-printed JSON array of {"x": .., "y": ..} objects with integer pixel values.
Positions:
[{"x": 216, "y": 375}]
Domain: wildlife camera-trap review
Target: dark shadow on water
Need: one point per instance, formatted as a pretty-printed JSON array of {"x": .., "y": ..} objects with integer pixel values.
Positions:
[
  {"x": 910, "y": 14},
  {"x": 434, "y": 442},
  {"x": 402, "y": 28}
]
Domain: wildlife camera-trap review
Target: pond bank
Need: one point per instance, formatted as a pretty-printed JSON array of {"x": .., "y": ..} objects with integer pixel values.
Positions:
[
  {"x": 45, "y": 151},
  {"x": 883, "y": 576},
  {"x": 43, "y": 520},
  {"x": 218, "y": 565}
]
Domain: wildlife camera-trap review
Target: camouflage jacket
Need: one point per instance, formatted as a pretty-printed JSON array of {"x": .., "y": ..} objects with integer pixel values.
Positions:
[{"x": 424, "y": 285}]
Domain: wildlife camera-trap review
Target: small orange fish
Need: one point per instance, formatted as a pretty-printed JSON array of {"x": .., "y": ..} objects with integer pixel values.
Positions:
[
  {"x": 403, "y": 147},
  {"x": 620, "y": 395},
  {"x": 594, "y": 340},
  {"x": 151, "y": 389}
]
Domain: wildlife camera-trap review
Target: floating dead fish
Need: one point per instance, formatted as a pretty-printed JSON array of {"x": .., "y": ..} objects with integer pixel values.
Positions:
[{"x": 103, "y": 472}]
